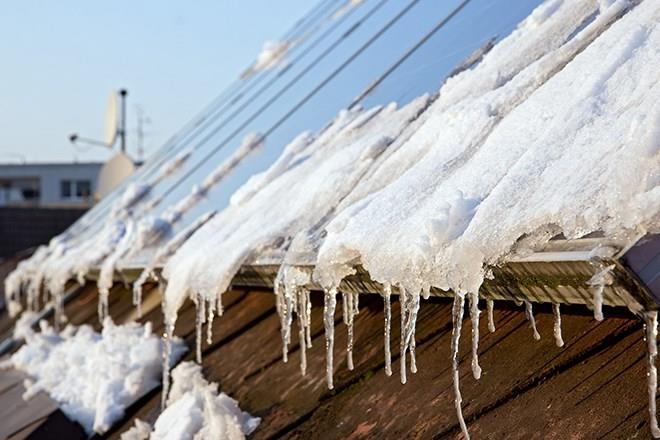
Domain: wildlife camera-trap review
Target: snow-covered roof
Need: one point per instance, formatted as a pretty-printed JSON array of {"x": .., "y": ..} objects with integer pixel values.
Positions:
[{"x": 555, "y": 132}]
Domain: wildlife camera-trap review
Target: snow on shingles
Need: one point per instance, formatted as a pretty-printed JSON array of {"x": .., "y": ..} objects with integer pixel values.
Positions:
[
  {"x": 298, "y": 198},
  {"x": 93, "y": 376},
  {"x": 195, "y": 409}
]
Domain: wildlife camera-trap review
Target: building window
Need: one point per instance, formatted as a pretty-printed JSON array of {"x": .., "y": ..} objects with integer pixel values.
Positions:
[
  {"x": 65, "y": 189},
  {"x": 83, "y": 189}
]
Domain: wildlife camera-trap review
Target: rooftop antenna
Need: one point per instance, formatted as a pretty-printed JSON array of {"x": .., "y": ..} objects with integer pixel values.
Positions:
[
  {"x": 142, "y": 119},
  {"x": 115, "y": 124}
]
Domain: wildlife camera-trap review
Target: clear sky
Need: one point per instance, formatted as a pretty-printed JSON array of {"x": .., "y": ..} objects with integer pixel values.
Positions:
[{"x": 60, "y": 60}]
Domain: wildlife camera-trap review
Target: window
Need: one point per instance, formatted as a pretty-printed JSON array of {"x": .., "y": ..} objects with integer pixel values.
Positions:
[
  {"x": 83, "y": 189},
  {"x": 65, "y": 189}
]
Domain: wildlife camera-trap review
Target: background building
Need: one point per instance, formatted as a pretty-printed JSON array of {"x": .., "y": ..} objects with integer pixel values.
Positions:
[{"x": 48, "y": 184}]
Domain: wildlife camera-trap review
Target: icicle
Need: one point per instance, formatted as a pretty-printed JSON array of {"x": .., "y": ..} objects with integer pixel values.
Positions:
[
  {"x": 491, "y": 321},
  {"x": 598, "y": 302},
  {"x": 409, "y": 308},
  {"x": 200, "y": 304},
  {"x": 402, "y": 345},
  {"x": 598, "y": 282},
  {"x": 137, "y": 289},
  {"x": 387, "y": 293},
  {"x": 103, "y": 304},
  {"x": 209, "y": 322},
  {"x": 651, "y": 325},
  {"x": 220, "y": 308},
  {"x": 167, "y": 350},
  {"x": 284, "y": 301},
  {"x": 557, "y": 327},
  {"x": 329, "y": 305},
  {"x": 350, "y": 309},
  {"x": 457, "y": 318},
  {"x": 474, "y": 317},
  {"x": 303, "y": 328},
  {"x": 308, "y": 316},
  {"x": 530, "y": 317},
  {"x": 413, "y": 357}
]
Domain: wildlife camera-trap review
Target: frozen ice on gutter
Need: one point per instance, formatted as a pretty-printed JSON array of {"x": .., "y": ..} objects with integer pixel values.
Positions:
[{"x": 93, "y": 376}]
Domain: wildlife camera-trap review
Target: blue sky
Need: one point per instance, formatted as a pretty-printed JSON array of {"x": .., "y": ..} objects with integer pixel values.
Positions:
[{"x": 60, "y": 60}]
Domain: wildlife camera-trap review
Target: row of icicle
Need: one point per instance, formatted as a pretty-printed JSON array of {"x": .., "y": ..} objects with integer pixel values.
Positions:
[{"x": 293, "y": 298}]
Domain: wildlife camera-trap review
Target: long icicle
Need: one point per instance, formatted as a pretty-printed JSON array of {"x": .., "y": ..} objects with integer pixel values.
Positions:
[
  {"x": 651, "y": 326},
  {"x": 413, "y": 357},
  {"x": 491, "y": 320},
  {"x": 557, "y": 327},
  {"x": 387, "y": 304},
  {"x": 403, "y": 299},
  {"x": 199, "y": 321},
  {"x": 167, "y": 351},
  {"x": 348, "y": 310},
  {"x": 329, "y": 306},
  {"x": 457, "y": 318},
  {"x": 529, "y": 313},
  {"x": 209, "y": 321},
  {"x": 474, "y": 317},
  {"x": 308, "y": 316},
  {"x": 303, "y": 326},
  {"x": 282, "y": 291}
]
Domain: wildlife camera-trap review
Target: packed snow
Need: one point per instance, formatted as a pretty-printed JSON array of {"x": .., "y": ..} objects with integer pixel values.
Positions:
[
  {"x": 93, "y": 376},
  {"x": 196, "y": 410}
]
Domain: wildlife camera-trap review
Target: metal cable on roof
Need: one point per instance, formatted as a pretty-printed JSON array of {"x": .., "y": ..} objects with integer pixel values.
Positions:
[
  {"x": 236, "y": 90},
  {"x": 296, "y": 78},
  {"x": 309, "y": 95},
  {"x": 319, "y": 14},
  {"x": 371, "y": 87}
]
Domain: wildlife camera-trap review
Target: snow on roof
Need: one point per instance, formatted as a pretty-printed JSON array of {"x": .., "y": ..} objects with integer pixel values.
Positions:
[
  {"x": 540, "y": 138},
  {"x": 93, "y": 376},
  {"x": 195, "y": 409}
]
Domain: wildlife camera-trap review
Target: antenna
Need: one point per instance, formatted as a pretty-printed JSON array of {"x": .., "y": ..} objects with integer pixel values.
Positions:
[
  {"x": 111, "y": 119},
  {"x": 112, "y": 128},
  {"x": 122, "y": 133}
]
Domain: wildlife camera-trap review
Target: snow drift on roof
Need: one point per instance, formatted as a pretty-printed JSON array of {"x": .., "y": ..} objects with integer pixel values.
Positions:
[
  {"x": 93, "y": 376},
  {"x": 195, "y": 409}
]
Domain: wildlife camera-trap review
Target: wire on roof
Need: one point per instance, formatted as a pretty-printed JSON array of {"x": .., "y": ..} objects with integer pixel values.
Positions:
[{"x": 372, "y": 86}]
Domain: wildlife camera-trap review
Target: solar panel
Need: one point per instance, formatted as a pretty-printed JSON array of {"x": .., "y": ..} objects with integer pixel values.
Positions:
[{"x": 335, "y": 54}]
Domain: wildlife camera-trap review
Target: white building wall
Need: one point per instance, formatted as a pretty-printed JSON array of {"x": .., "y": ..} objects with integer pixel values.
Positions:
[{"x": 50, "y": 177}]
